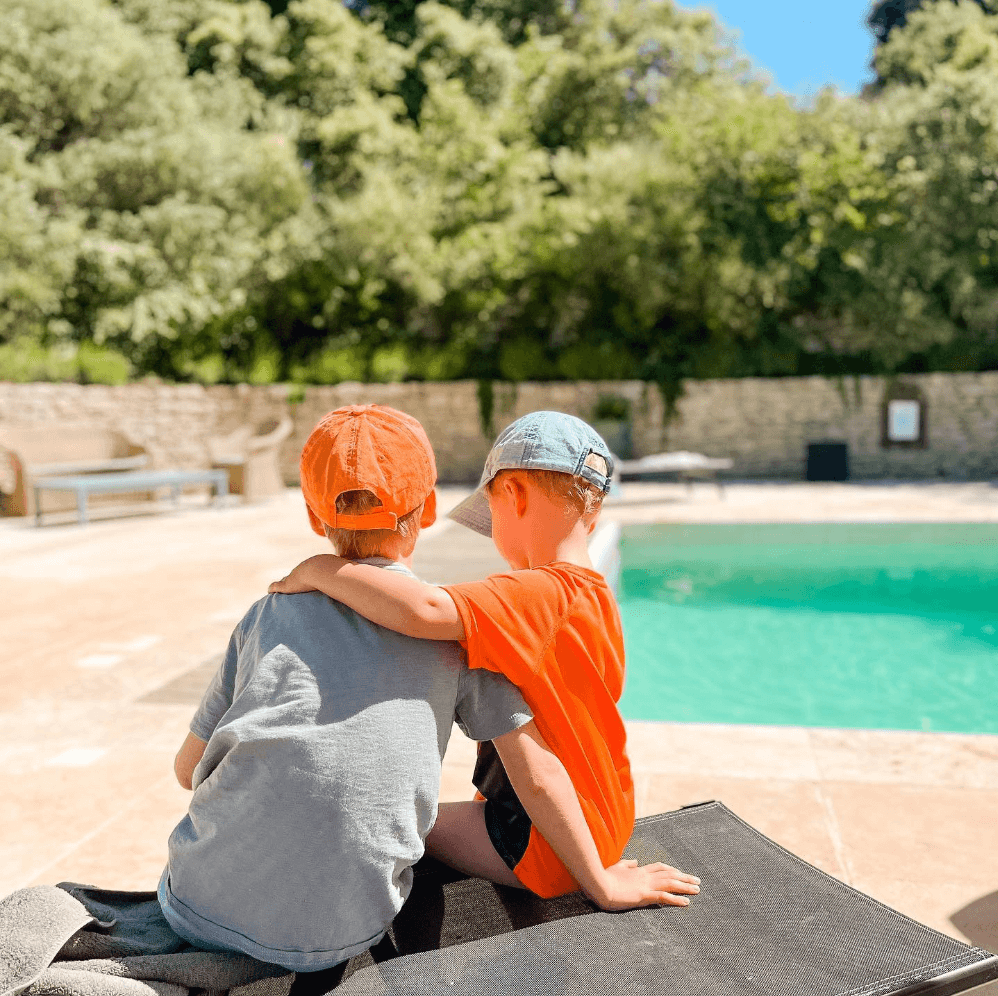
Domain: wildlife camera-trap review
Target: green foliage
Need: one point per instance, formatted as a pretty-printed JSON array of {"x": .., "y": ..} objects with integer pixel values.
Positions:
[
  {"x": 486, "y": 407},
  {"x": 939, "y": 42},
  {"x": 163, "y": 207},
  {"x": 431, "y": 362},
  {"x": 98, "y": 365},
  {"x": 331, "y": 367},
  {"x": 226, "y": 190},
  {"x": 515, "y": 18},
  {"x": 937, "y": 121},
  {"x": 24, "y": 361},
  {"x": 615, "y": 68},
  {"x": 37, "y": 246},
  {"x": 886, "y": 15},
  {"x": 611, "y": 407},
  {"x": 524, "y": 358},
  {"x": 597, "y": 361}
]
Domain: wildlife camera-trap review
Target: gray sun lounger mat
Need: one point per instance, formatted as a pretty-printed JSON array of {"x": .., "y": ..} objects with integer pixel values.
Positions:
[{"x": 765, "y": 922}]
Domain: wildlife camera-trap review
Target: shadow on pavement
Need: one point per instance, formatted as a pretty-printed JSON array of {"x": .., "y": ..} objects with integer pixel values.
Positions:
[{"x": 979, "y": 921}]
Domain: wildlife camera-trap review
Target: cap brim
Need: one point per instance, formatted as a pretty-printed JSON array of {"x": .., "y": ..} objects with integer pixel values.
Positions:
[{"x": 474, "y": 513}]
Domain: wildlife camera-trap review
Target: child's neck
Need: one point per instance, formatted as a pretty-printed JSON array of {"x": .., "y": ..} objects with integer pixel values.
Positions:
[
  {"x": 542, "y": 547},
  {"x": 406, "y": 561}
]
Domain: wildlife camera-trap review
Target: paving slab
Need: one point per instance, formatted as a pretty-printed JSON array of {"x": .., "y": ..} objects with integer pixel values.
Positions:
[{"x": 112, "y": 630}]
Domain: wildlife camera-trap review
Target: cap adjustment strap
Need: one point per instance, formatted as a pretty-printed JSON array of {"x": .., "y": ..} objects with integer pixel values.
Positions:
[
  {"x": 602, "y": 481},
  {"x": 376, "y": 519}
]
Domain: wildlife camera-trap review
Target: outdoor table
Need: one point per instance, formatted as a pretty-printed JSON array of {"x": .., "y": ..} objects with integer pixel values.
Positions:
[{"x": 85, "y": 485}]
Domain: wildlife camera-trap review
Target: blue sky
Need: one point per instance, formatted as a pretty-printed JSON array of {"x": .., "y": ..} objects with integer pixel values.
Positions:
[{"x": 802, "y": 44}]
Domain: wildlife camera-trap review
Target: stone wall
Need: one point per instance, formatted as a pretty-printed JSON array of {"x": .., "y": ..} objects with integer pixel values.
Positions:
[
  {"x": 764, "y": 425},
  {"x": 173, "y": 421},
  {"x": 451, "y": 414}
]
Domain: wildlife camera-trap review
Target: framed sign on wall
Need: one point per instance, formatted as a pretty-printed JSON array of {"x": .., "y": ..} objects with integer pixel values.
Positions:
[{"x": 903, "y": 422}]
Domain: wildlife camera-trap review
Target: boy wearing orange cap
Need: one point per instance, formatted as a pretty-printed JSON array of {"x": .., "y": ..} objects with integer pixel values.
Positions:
[
  {"x": 552, "y": 627},
  {"x": 315, "y": 754}
]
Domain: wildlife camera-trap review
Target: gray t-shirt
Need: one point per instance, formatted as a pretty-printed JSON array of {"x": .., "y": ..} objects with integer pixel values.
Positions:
[{"x": 320, "y": 780}]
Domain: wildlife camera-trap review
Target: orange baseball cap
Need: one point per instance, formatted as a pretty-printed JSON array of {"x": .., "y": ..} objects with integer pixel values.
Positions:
[{"x": 368, "y": 448}]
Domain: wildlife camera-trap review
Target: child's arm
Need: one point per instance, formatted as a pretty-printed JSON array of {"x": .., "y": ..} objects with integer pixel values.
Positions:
[
  {"x": 387, "y": 598},
  {"x": 187, "y": 760},
  {"x": 546, "y": 792}
]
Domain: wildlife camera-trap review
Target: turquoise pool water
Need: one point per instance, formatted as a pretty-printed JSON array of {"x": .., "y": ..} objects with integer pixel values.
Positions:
[{"x": 873, "y": 626}]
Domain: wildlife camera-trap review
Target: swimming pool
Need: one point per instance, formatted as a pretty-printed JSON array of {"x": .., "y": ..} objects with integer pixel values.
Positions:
[{"x": 881, "y": 626}]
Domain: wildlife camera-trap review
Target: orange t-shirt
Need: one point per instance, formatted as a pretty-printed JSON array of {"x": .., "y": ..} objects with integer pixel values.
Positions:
[{"x": 555, "y": 632}]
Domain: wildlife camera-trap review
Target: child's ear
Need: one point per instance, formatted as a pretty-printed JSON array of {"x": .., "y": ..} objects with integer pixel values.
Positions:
[{"x": 515, "y": 486}]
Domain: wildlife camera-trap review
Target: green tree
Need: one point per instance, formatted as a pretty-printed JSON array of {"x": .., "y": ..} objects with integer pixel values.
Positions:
[
  {"x": 37, "y": 248},
  {"x": 937, "y": 124},
  {"x": 401, "y": 21},
  {"x": 943, "y": 40},
  {"x": 886, "y": 15},
  {"x": 218, "y": 188},
  {"x": 615, "y": 68},
  {"x": 515, "y": 18},
  {"x": 554, "y": 281},
  {"x": 419, "y": 221},
  {"x": 180, "y": 208}
]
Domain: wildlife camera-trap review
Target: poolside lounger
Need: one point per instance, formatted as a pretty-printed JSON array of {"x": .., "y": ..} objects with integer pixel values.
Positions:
[
  {"x": 688, "y": 467},
  {"x": 765, "y": 922}
]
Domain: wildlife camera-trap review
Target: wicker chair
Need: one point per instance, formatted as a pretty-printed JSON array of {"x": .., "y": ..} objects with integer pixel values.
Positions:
[{"x": 251, "y": 456}]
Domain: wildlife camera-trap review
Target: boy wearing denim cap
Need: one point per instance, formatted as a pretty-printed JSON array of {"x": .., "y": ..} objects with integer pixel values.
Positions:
[
  {"x": 315, "y": 753},
  {"x": 552, "y": 627}
]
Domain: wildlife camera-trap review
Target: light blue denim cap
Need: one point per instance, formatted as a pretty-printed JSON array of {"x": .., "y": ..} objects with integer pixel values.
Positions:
[{"x": 538, "y": 441}]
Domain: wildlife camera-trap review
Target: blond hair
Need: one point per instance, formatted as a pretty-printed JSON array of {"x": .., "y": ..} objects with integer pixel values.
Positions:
[
  {"x": 357, "y": 544},
  {"x": 579, "y": 495}
]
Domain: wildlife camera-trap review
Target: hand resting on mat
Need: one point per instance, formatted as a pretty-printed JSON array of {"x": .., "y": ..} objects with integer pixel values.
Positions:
[
  {"x": 546, "y": 793},
  {"x": 629, "y": 884}
]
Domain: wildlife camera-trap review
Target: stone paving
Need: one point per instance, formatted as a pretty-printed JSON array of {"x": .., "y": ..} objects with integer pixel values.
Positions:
[{"x": 111, "y": 631}]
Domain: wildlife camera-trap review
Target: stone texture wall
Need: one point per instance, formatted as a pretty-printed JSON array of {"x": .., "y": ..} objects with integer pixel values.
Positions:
[
  {"x": 764, "y": 425},
  {"x": 173, "y": 421},
  {"x": 451, "y": 414}
]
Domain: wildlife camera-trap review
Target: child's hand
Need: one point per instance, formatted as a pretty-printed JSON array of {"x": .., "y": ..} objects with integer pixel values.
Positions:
[
  {"x": 300, "y": 579},
  {"x": 626, "y": 885}
]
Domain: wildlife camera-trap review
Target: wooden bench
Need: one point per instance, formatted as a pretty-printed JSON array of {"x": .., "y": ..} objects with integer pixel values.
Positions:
[
  {"x": 56, "y": 450},
  {"x": 85, "y": 485}
]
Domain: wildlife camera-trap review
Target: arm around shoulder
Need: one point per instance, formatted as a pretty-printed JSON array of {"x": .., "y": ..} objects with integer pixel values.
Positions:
[{"x": 390, "y": 599}]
